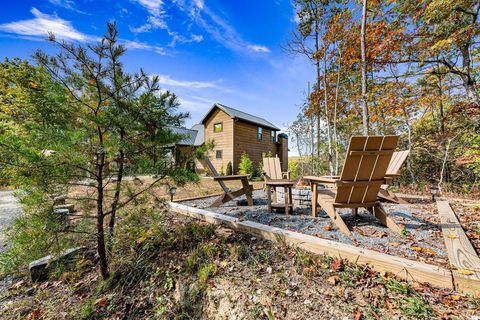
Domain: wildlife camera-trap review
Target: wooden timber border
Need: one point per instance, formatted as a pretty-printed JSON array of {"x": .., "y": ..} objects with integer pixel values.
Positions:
[
  {"x": 403, "y": 268},
  {"x": 205, "y": 196},
  {"x": 461, "y": 254}
]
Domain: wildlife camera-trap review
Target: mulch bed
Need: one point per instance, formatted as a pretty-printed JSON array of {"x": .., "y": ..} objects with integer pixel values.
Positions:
[
  {"x": 469, "y": 216},
  {"x": 423, "y": 241}
]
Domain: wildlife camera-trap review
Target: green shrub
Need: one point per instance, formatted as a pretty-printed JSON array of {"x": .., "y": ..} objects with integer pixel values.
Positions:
[
  {"x": 229, "y": 168},
  {"x": 222, "y": 173},
  {"x": 246, "y": 165}
]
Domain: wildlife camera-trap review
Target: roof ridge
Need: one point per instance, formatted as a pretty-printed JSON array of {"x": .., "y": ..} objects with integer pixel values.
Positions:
[{"x": 246, "y": 115}]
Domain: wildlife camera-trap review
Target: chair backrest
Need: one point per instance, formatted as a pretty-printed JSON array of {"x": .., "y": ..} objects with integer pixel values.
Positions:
[
  {"x": 364, "y": 169},
  {"x": 272, "y": 168},
  {"x": 208, "y": 164},
  {"x": 398, "y": 158}
]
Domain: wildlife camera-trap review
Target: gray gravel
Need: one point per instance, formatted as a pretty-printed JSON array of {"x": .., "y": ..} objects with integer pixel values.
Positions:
[
  {"x": 367, "y": 232},
  {"x": 9, "y": 210}
]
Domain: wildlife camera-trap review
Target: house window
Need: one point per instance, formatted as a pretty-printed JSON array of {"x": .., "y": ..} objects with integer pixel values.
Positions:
[
  {"x": 218, "y": 154},
  {"x": 259, "y": 133},
  {"x": 218, "y": 127},
  {"x": 272, "y": 136}
]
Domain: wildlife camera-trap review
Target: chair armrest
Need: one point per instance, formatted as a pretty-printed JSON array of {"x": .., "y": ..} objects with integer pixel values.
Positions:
[{"x": 320, "y": 179}]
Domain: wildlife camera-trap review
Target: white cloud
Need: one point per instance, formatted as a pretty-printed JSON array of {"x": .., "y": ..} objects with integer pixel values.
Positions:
[
  {"x": 219, "y": 29},
  {"x": 153, "y": 6},
  {"x": 168, "y": 81},
  {"x": 42, "y": 25},
  {"x": 194, "y": 106},
  {"x": 67, "y": 4},
  {"x": 135, "y": 45},
  {"x": 258, "y": 48}
]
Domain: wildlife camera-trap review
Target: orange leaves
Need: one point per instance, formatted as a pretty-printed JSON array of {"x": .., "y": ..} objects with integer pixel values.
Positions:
[{"x": 423, "y": 250}]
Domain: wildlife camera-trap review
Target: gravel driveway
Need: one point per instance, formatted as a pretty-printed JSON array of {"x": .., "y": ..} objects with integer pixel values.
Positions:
[{"x": 9, "y": 210}]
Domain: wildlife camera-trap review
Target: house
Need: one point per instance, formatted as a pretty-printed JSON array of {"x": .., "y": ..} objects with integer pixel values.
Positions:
[{"x": 233, "y": 133}]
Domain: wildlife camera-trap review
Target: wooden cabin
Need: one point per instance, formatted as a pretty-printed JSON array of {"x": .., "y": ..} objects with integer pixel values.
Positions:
[{"x": 235, "y": 132}]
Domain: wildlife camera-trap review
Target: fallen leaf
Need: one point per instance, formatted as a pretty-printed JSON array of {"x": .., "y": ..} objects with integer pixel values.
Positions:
[
  {"x": 473, "y": 235},
  {"x": 424, "y": 250},
  {"x": 357, "y": 314},
  {"x": 44, "y": 285},
  {"x": 102, "y": 302},
  {"x": 380, "y": 234},
  {"x": 336, "y": 264},
  {"x": 455, "y": 298},
  {"x": 451, "y": 236},
  {"x": 465, "y": 272},
  {"x": 18, "y": 285},
  {"x": 35, "y": 314},
  {"x": 333, "y": 280},
  {"x": 390, "y": 306},
  {"x": 328, "y": 227}
]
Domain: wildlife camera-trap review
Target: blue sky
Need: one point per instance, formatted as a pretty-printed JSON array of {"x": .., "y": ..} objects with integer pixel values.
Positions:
[{"x": 205, "y": 51}]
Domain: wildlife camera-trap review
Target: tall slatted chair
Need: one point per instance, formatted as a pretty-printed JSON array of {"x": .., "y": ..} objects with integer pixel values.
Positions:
[
  {"x": 228, "y": 194},
  {"x": 274, "y": 178},
  {"x": 363, "y": 174},
  {"x": 273, "y": 170},
  {"x": 393, "y": 171}
]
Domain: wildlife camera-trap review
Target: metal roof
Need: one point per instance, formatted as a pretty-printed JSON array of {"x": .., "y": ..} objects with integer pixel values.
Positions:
[
  {"x": 190, "y": 136},
  {"x": 237, "y": 114}
]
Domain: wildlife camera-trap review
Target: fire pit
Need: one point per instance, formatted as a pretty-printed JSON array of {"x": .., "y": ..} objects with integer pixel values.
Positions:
[{"x": 301, "y": 196}]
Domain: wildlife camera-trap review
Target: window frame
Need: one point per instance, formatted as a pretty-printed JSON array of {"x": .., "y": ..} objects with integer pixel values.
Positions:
[
  {"x": 217, "y": 152},
  {"x": 259, "y": 133},
  {"x": 221, "y": 127},
  {"x": 272, "y": 136}
]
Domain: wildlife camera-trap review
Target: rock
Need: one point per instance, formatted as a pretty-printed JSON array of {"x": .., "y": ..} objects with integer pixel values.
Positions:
[
  {"x": 60, "y": 199},
  {"x": 40, "y": 269},
  {"x": 69, "y": 206}
]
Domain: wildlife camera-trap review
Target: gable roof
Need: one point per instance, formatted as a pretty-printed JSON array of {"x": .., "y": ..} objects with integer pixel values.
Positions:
[
  {"x": 237, "y": 114},
  {"x": 190, "y": 137}
]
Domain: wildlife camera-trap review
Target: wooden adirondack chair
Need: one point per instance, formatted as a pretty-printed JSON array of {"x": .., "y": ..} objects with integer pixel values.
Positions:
[
  {"x": 228, "y": 194},
  {"x": 274, "y": 177},
  {"x": 273, "y": 169},
  {"x": 363, "y": 174},
  {"x": 393, "y": 171}
]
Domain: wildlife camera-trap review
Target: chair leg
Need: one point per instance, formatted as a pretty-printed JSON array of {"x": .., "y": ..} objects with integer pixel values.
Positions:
[
  {"x": 248, "y": 191},
  {"x": 335, "y": 217},
  {"x": 269, "y": 198},
  {"x": 314, "y": 189},
  {"x": 287, "y": 207},
  {"x": 290, "y": 196},
  {"x": 384, "y": 219}
]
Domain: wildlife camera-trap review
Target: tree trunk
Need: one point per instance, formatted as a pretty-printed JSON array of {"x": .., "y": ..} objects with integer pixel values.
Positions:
[
  {"x": 364, "y": 69},
  {"x": 118, "y": 185},
  {"x": 102, "y": 254},
  {"x": 327, "y": 116},
  {"x": 335, "y": 110}
]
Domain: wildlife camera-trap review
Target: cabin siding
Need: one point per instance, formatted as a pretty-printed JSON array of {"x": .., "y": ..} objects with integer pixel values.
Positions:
[
  {"x": 223, "y": 140},
  {"x": 245, "y": 139}
]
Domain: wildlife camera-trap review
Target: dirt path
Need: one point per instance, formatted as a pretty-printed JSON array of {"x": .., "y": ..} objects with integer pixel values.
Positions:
[{"x": 9, "y": 210}]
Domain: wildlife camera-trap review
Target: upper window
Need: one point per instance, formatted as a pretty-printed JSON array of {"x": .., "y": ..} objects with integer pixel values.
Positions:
[
  {"x": 259, "y": 133},
  {"x": 218, "y": 127},
  {"x": 218, "y": 154},
  {"x": 272, "y": 136}
]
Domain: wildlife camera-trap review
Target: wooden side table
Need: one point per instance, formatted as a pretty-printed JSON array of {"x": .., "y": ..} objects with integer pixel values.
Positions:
[{"x": 287, "y": 186}]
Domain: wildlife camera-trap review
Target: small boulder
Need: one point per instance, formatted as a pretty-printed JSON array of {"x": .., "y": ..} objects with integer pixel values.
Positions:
[{"x": 40, "y": 269}]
